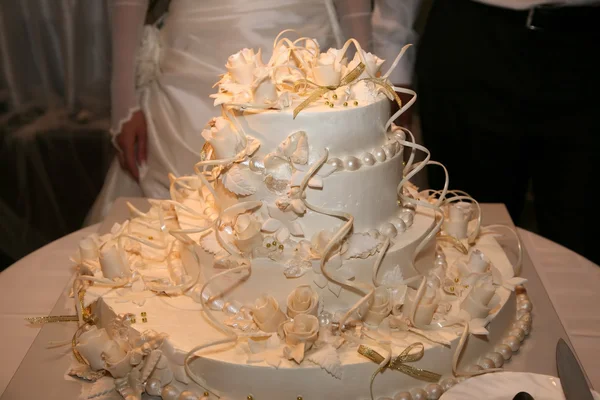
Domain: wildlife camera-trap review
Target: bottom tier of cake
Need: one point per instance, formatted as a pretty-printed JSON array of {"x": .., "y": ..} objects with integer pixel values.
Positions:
[{"x": 239, "y": 370}]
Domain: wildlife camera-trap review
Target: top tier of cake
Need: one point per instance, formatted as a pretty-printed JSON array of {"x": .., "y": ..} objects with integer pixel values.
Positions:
[
  {"x": 302, "y": 108},
  {"x": 351, "y": 130},
  {"x": 342, "y": 105}
]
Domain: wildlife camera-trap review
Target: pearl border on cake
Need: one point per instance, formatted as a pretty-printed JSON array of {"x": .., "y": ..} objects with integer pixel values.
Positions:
[{"x": 379, "y": 155}]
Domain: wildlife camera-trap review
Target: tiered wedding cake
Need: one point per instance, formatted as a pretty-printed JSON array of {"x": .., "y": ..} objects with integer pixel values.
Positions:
[{"x": 298, "y": 262}]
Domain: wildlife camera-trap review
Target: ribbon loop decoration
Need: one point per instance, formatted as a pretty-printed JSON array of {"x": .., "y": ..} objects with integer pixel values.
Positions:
[{"x": 398, "y": 363}]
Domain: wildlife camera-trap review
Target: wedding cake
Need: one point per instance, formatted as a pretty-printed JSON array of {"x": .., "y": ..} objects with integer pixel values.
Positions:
[{"x": 299, "y": 262}]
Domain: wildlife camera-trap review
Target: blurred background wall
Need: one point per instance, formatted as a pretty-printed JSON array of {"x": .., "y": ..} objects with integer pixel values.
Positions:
[{"x": 54, "y": 107}]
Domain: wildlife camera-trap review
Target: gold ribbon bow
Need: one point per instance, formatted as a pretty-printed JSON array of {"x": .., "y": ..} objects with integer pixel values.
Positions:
[
  {"x": 321, "y": 90},
  {"x": 398, "y": 363}
]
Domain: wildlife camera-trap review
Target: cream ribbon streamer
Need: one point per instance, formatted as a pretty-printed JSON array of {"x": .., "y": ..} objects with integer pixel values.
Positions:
[{"x": 519, "y": 263}]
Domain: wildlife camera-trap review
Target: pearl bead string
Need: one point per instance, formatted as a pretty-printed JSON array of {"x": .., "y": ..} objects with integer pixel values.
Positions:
[{"x": 368, "y": 159}]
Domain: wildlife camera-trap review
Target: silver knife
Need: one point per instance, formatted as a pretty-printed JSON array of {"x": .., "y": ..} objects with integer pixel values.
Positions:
[{"x": 572, "y": 377}]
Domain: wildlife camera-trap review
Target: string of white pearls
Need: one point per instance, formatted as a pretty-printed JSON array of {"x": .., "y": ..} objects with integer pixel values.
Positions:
[
  {"x": 397, "y": 225},
  {"x": 171, "y": 392},
  {"x": 511, "y": 343},
  {"x": 352, "y": 163}
]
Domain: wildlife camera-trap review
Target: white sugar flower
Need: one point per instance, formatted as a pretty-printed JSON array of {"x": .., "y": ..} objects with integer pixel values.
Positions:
[
  {"x": 327, "y": 69},
  {"x": 223, "y": 138},
  {"x": 282, "y": 224},
  {"x": 241, "y": 65},
  {"x": 372, "y": 64}
]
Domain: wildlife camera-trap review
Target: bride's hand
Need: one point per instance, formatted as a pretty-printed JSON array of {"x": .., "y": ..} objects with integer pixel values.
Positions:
[{"x": 133, "y": 140}]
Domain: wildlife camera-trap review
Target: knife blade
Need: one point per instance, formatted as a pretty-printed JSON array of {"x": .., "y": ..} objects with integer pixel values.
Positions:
[{"x": 572, "y": 377}]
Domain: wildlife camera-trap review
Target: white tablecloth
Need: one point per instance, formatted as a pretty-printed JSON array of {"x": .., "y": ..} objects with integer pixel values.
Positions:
[
  {"x": 573, "y": 284},
  {"x": 32, "y": 286}
]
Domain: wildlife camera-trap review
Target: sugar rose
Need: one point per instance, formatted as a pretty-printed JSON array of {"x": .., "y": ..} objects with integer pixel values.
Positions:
[
  {"x": 266, "y": 314},
  {"x": 241, "y": 65},
  {"x": 327, "y": 70},
  {"x": 303, "y": 329},
  {"x": 247, "y": 233},
  {"x": 372, "y": 64},
  {"x": 300, "y": 334},
  {"x": 303, "y": 300}
]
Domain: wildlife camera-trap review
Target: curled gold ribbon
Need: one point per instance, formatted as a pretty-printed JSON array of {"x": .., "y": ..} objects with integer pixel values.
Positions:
[
  {"x": 398, "y": 363},
  {"x": 321, "y": 90}
]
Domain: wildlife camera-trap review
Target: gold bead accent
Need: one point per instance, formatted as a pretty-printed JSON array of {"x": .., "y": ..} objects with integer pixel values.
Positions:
[
  {"x": 132, "y": 320},
  {"x": 452, "y": 288},
  {"x": 334, "y": 96},
  {"x": 280, "y": 247},
  {"x": 206, "y": 394},
  {"x": 355, "y": 102},
  {"x": 330, "y": 105},
  {"x": 274, "y": 243},
  {"x": 345, "y": 104},
  {"x": 326, "y": 102},
  {"x": 466, "y": 286},
  {"x": 249, "y": 397},
  {"x": 144, "y": 313},
  {"x": 144, "y": 320},
  {"x": 456, "y": 280},
  {"x": 268, "y": 245},
  {"x": 150, "y": 237},
  {"x": 299, "y": 398}
]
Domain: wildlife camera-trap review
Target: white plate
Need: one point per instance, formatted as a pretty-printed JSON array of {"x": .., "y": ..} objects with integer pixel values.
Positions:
[{"x": 505, "y": 385}]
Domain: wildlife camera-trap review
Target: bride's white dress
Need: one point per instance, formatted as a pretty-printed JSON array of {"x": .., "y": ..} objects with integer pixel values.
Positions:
[{"x": 180, "y": 63}]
